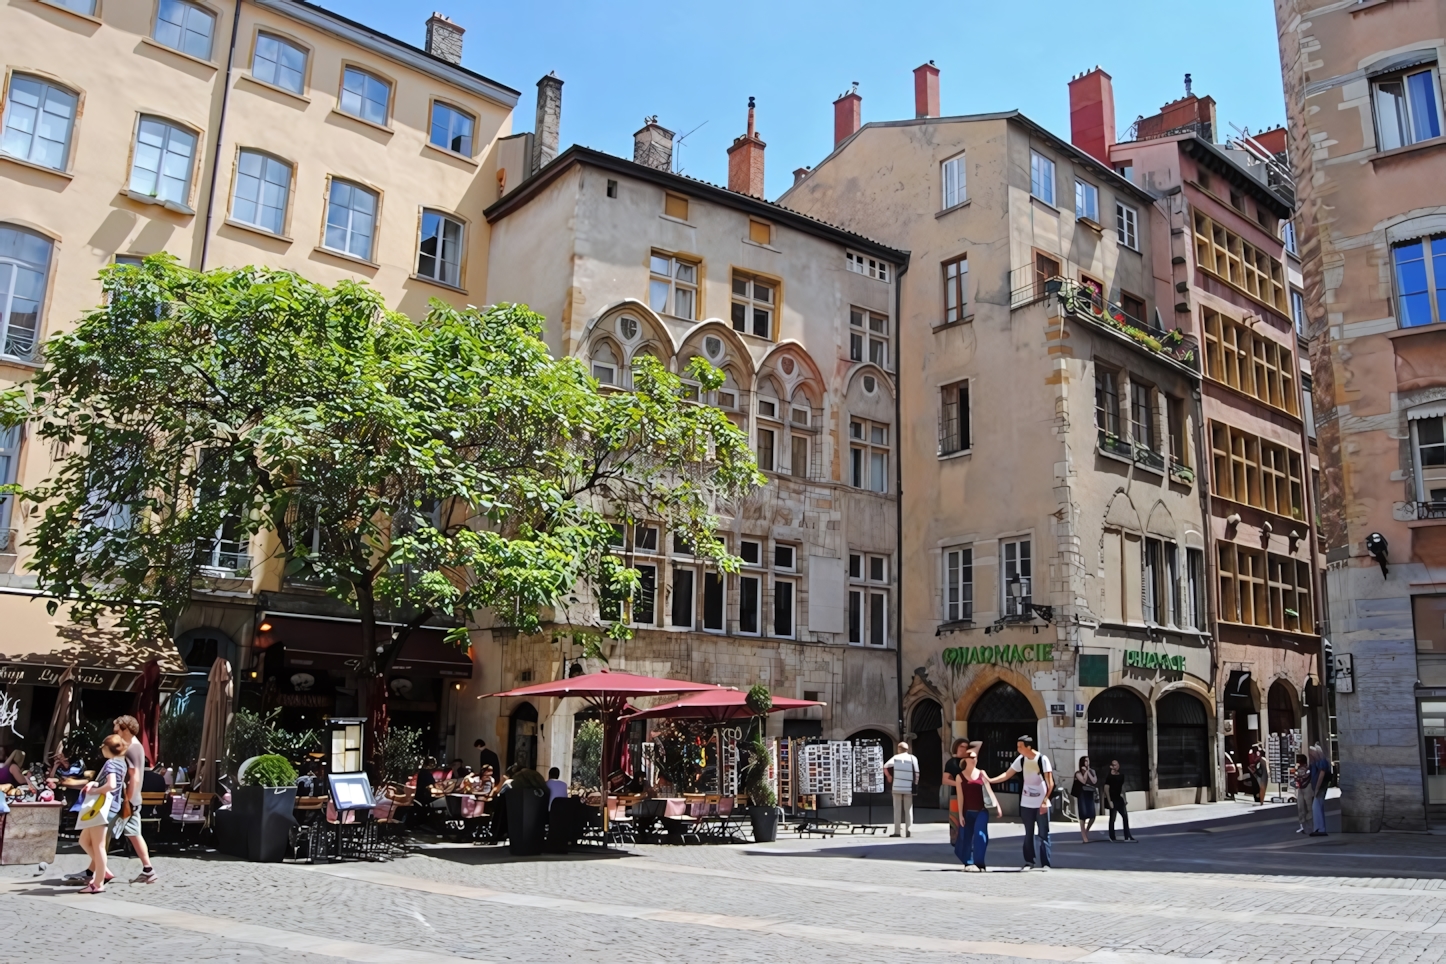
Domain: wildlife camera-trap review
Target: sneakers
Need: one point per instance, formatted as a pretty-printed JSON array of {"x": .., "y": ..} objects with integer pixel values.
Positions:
[
  {"x": 146, "y": 877},
  {"x": 1026, "y": 867},
  {"x": 893, "y": 835},
  {"x": 908, "y": 833},
  {"x": 1044, "y": 869}
]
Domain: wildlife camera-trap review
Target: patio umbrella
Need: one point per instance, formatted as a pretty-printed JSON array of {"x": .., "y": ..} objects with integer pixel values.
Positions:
[
  {"x": 60, "y": 719},
  {"x": 608, "y": 693},
  {"x": 148, "y": 710},
  {"x": 214, "y": 724},
  {"x": 716, "y": 706}
]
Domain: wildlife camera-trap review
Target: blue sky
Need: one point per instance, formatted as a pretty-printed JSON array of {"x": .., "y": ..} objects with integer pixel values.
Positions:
[{"x": 697, "y": 63}]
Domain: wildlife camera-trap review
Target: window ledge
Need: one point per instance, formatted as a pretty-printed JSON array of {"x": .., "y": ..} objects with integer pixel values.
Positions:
[
  {"x": 943, "y": 325},
  {"x": 669, "y": 217},
  {"x": 1425, "y": 523},
  {"x": 320, "y": 249},
  {"x": 21, "y": 362},
  {"x": 256, "y": 229},
  {"x": 175, "y": 206},
  {"x": 440, "y": 284},
  {"x": 179, "y": 53},
  {"x": 765, "y": 247},
  {"x": 74, "y": 13},
  {"x": 950, "y": 210},
  {"x": 451, "y": 155},
  {"x": 22, "y": 162},
  {"x": 1092, "y": 224},
  {"x": 362, "y": 120},
  {"x": 250, "y": 79},
  {"x": 1416, "y": 330},
  {"x": 1395, "y": 152},
  {"x": 946, "y": 456},
  {"x": 1043, "y": 203},
  {"x": 1365, "y": 5}
]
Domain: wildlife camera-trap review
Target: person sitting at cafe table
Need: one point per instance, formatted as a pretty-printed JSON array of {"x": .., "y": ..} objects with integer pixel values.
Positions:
[
  {"x": 426, "y": 778},
  {"x": 13, "y": 771},
  {"x": 555, "y": 787},
  {"x": 459, "y": 770}
]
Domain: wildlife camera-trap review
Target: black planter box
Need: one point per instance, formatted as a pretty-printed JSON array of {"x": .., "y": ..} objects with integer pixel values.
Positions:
[
  {"x": 526, "y": 821},
  {"x": 262, "y": 820},
  {"x": 765, "y": 823}
]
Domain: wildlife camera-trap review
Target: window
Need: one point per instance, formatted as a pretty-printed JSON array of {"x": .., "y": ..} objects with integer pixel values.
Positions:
[
  {"x": 1170, "y": 597},
  {"x": 1087, "y": 201},
  {"x": 783, "y": 608},
  {"x": 953, "y": 174},
  {"x": 39, "y": 118},
  {"x": 1142, "y": 415},
  {"x": 1175, "y": 425},
  {"x": 279, "y": 63},
  {"x": 1126, "y": 171},
  {"x": 1224, "y": 254},
  {"x": 956, "y": 290},
  {"x": 1195, "y": 588},
  {"x": 1428, "y": 436},
  {"x": 748, "y": 604},
  {"x": 859, "y": 264},
  {"x": 1420, "y": 281},
  {"x": 185, "y": 27},
  {"x": 753, "y": 304},
  {"x": 161, "y": 167},
  {"x": 1237, "y": 201},
  {"x": 785, "y": 557},
  {"x": 1154, "y": 585},
  {"x": 1297, "y": 311},
  {"x": 86, "y": 7},
  {"x": 1262, "y": 589},
  {"x": 798, "y": 455},
  {"x": 751, "y": 552},
  {"x": 1261, "y": 367},
  {"x": 682, "y": 615},
  {"x": 612, "y": 187},
  {"x": 351, "y": 218},
  {"x": 645, "y": 539},
  {"x": 1041, "y": 177},
  {"x": 675, "y": 206},
  {"x": 674, "y": 285},
  {"x": 760, "y": 232},
  {"x": 364, "y": 96},
  {"x": 1133, "y": 308},
  {"x": 452, "y": 129},
  {"x": 868, "y": 337},
  {"x": 263, "y": 186},
  {"x": 766, "y": 443},
  {"x": 1107, "y": 401},
  {"x": 1017, "y": 582},
  {"x": 868, "y": 607},
  {"x": 713, "y": 602},
  {"x": 954, "y": 418},
  {"x": 1407, "y": 108},
  {"x": 439, "y": 256},
  {"x": 1257, "y": 472},
  {"x": 869, "y": 455},
  {"x": 1287, "y": 234},
  {"x": 605, "y": 364},
  {"x": 9, "y": 467},
  {"x": 958, "y": 584},
  {"x": 1045, "y": 268},
  {"x": 1127, "y": 226},
  {"x": 645, "y": 597}
]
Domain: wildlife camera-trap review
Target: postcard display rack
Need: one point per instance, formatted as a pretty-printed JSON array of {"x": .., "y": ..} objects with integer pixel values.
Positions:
[{"x": 809, "y": 766}]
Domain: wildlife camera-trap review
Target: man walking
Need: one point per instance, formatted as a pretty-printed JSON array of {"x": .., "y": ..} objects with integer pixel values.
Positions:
[
  {"x": 1115, "y": 799},
  {"x": 486, "y": 758},
  {"x": 1033, "y": 799},
  {"x": 129, "y": 728},
  {"x": 902, "y": 771}
]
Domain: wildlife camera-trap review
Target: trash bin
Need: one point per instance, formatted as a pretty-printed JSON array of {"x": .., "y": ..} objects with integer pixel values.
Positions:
[
  {"x": 260, "y": 824},
  {"x": 526, "y": 820}
]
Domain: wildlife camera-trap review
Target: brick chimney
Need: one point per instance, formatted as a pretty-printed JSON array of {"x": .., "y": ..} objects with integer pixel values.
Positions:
[
  {"x": 1092, "y": 114},
  {"x": 926, "y": 90},
  {"x": 745, "y": 161},
  {"x": 444, "y": 39},
  {"x": 549, "y": 121},
  {"x": 847, "y": 115},
  {"x": 653, "y": 145}
]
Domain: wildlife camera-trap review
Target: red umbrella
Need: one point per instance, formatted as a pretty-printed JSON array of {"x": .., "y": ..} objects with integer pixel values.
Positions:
[
  {"x": 148, "y": 710},
  {"x": 717, "y": 706},
  {"x": 608, "y": 692}
]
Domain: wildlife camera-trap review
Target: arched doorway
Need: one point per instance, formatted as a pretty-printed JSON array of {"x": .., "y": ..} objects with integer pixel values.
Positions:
[
  {"x": 522, "y": 736},
  {"x": 1241, "y": 717},
  {"x": 1283, "y": 720},
  {"x": 924, "y": 723},
  {"x": 1117, "y": 732},
  {"x": 999, "y": 718},
  {"x": 1182, "y": 742}
]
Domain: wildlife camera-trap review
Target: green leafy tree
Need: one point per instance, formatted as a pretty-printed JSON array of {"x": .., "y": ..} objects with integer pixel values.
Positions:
[
  {"x": 414, "y": 469},
  {"x": 755, "y": 774}
]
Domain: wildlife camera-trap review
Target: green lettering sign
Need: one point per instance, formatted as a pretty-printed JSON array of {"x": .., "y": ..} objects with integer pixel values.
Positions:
[
  {"x": 973, "y": 655},
  {"x": 1143, "y": 660}
]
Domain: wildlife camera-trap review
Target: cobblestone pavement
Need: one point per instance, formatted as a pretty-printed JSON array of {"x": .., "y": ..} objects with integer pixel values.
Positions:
[{"x": 1221, "y": 883}]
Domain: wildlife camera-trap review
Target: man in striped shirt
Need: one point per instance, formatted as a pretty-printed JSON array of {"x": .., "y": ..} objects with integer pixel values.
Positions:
[{"x": 902, "y": 771}]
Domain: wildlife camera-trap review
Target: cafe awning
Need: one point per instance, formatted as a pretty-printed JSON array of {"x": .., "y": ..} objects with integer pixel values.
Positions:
[
  {"x": 36, "y": 647},
  {"x": 314, "y": 642}
]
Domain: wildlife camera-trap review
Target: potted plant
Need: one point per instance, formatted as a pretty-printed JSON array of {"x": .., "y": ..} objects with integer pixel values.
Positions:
[
  {"x": 763, "y": 809},
  {"x": 262, "y": 807}
]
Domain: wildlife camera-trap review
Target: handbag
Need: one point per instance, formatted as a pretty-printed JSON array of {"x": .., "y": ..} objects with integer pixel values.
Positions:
[{"x": 94, "y": 811}]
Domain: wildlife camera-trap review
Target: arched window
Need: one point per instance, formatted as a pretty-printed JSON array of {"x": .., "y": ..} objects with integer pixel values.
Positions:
[
  {"x": 998, "y": 719},
  {"x": 802, "y": 436},
  {"x": 24, "y": 264},
  {"x": 1182, "y": 743},
  {"x": 604, "y": 364},
  {"x": 522, "y": 736},
  {"x": 1117, "y": 732}
]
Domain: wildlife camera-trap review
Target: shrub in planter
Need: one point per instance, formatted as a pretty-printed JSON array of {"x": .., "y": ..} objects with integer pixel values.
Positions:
[
  {"x": 262, "y": 809},
  {"x": 764, "y": 810},
  {"x": 270, "y": 770}
]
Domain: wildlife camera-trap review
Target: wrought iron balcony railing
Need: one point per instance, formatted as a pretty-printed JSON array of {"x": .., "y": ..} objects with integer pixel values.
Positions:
[
  {"x": 1086, "y": 305},
  {"x": 1124, "y": 448}
]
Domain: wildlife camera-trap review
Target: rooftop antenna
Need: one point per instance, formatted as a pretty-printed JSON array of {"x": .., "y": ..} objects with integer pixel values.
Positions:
[{"x": 678, "y": 148}]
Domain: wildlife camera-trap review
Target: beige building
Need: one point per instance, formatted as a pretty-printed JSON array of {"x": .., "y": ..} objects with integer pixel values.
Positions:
[
  {"x": 1054, "y": 579},
  {"x": 266, "y": 132},
  {"x": 1364, "y": 102},
  {"x": 800, "y": 315}
]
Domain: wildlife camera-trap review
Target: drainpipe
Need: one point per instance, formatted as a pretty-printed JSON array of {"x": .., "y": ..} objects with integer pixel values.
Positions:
[
  {"x": 220, "y": 131},
  {"x": 899, "y": 493}
]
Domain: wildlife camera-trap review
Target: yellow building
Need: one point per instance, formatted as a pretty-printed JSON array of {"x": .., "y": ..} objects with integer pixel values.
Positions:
[{"x": 225, "y": 133}]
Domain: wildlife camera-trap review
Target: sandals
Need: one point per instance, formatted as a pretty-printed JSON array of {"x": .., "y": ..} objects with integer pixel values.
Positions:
[{"x": 91, "y": 888}]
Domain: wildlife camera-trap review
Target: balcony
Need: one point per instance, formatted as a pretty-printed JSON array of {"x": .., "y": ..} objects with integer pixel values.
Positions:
[
  {"x": 1123, "y": 448},
  {"x": 1084, "y": 304}
]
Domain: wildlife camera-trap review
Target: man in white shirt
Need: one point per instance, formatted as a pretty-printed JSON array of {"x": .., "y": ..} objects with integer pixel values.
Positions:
[
  {"x": 1033, "y": 799},
  {"x": 902, "y": 771},
  {"x": 555, "y": 787}
]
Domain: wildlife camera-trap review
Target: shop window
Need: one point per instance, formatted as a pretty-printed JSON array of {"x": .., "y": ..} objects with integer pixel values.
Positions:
[{"x": 1117, "y": 732}]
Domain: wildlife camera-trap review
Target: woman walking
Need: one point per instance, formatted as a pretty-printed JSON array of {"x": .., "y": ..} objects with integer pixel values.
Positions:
[
  {"x": 1320, "y": 770},
  {"x": 1085, "y": 790},
  {"x": 975, "y": 801},
  {"x": 101, "y": 804},
  {"x": 1301, "y": 781}
]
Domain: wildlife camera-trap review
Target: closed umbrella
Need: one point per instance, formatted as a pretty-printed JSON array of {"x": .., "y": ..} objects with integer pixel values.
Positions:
[
  {"x": 60, "y": 719},
  {"x": 214, "y": 724},
  {"x": 148, "y": 710}
]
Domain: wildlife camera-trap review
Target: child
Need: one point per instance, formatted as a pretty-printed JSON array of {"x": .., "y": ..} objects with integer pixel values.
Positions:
[{"x": 109, "y": 784}]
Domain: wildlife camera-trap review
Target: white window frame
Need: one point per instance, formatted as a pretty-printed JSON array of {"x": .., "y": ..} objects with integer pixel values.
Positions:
[
  {"x": 675, "y": 595},
  {"x": 280, "y": 68},
  {"x": 957, "y": 584},
  {"x": 953, "y": 182},
  {"x": 864, "y": 265},
  {"x": 755, "y": 579},
  {"x": 865, "y": 593},
  {"x": 1418, "y": 461},
  {"x": 457, "y": 113},
  {"x": 1401, "y": 131},
  {"x": 668, "y": 277},
  {"x": 601, "y": 367},
  {"x": 1297, "y": 310},
  {"x": 1086, "y": 201},
  {"x": 864, "y": 452},
  {"x": 441, "y": 261},
  {"x": 170, "y": 133},
  {"x": 11, "y": 440},
  {"x": 11, "y": 269},
  {"x": 1010, "y": 566},
  {"x": 1195, "y": 579},
  {"x": 757, "y": 561},
  {"x": 192, "y": 14},
  {"x": 40, "y": 111},
  {"x": 348, "y": 228},
  {"x": 353, "y": 102},
  {"x": 1127, "y": 225},
  {"x": 747, "y": 306},
  {"x": 792, "y": 550},
  {"x": 789, "y": 587},
  {"x": 1041, "y": 177},
  {"x": 269, "y": 163}
]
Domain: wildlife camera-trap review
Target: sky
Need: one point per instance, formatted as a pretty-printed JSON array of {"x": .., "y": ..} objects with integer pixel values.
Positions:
[{"x": 695, "y": 64}]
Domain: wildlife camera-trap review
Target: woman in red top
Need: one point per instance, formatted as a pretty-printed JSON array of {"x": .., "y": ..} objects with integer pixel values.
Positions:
[{"x": 975, "y": 801}]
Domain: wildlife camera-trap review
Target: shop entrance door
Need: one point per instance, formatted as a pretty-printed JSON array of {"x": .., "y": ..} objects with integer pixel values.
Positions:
[
  {"x": 924, "y": 723},
  {"x": 999, "y": 718},
  {"x": 1117, "y": 732},
  {"x": 1433, "y": 743},
  {"x": 1182, "y": 742}
]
